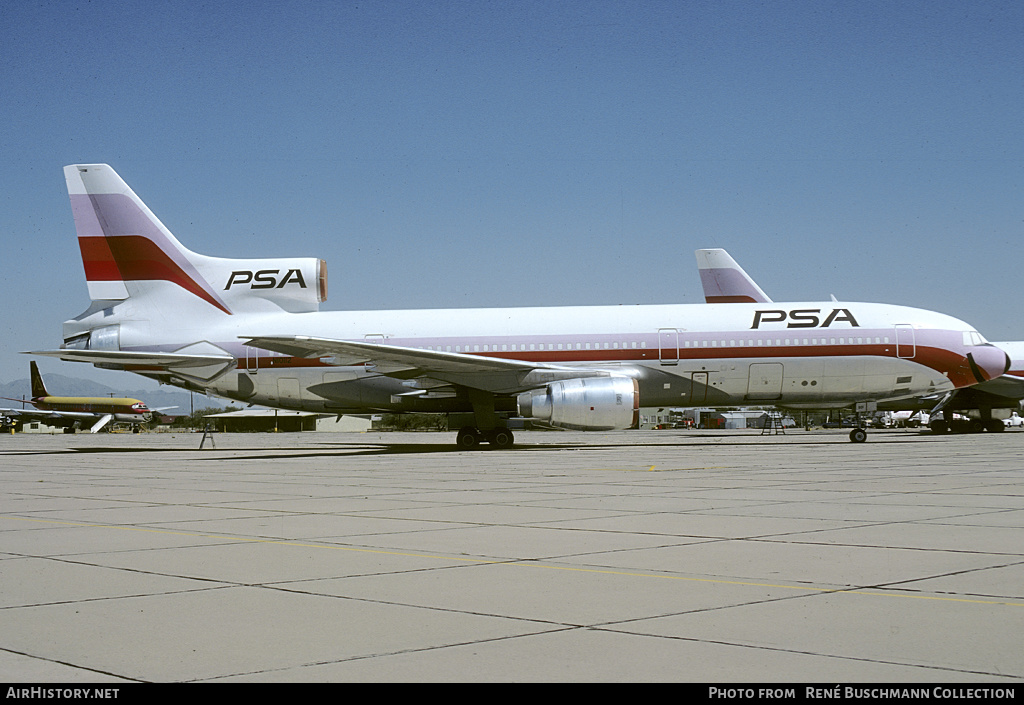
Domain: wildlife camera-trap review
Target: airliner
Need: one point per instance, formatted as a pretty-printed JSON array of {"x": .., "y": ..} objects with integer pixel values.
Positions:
[
  {"x": 73, "y": 413},
  {"x": 984, "y": 404},
  {"x": 252, "y": 330}
]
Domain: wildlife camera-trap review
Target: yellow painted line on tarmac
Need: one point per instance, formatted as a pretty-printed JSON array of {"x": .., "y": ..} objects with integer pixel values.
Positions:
[
  {"x": 197, "y": 534},
  {"x": 524, "y": 563}
]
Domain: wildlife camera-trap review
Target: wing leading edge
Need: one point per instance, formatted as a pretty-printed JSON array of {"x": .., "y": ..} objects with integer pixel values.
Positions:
[{"x": 489, "y": 374}]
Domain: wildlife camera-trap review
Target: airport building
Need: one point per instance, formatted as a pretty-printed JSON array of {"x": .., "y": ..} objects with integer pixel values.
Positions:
[
  {"x": 271, "y": 420},
  {"x": 662, "y": 418}
]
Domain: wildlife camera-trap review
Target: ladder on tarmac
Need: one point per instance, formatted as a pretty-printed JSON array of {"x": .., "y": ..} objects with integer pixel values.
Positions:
[{"x": 773, "y": 424}]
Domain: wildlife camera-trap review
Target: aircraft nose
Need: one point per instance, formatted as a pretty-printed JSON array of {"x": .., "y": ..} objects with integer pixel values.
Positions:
[{"x": 988, "y": 362}]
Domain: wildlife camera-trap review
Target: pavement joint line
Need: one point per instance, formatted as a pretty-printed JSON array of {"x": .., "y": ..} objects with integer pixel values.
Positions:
[
  {"x": 533, "y": 563},
  {"x": 651, "y": 469}
]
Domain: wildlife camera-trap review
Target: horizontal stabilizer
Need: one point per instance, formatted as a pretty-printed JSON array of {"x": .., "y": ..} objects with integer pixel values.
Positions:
[
  {"x": 134, "y": 359},
  {"x": 197, "y": 368}
]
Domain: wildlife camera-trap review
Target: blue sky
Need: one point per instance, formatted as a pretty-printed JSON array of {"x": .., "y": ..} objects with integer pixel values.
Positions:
[{"x": 457, "y": 154}]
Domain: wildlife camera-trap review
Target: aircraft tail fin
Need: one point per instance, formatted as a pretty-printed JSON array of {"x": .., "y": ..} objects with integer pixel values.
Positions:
[
  {"x": 128, "y": 253},
  {"x": 38, "y": 388},
  {"x": 724, "y": 280}
]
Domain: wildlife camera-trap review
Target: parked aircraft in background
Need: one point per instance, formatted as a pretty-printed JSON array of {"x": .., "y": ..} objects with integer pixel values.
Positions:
[
  {"x": 983, "y": 404},
  {"x": 907, "y": 418},
  {"x": 73, "y": 413},
  {"x": 251, "y": 330}
]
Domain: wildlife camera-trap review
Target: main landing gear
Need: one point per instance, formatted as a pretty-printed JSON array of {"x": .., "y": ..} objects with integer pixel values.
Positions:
[{"x": 470, "y": 438}]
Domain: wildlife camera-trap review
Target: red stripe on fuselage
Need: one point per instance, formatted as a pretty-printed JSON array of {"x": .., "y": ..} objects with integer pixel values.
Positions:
[{"x": 731, "y": 299}]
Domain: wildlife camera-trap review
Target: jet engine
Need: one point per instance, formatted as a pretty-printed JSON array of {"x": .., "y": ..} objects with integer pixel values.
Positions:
[
  {"x": 296, "y": 285},
  {"x": 588, "y": 404}
]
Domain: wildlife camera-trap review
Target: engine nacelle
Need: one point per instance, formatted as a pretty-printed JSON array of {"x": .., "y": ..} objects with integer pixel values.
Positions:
[{"x": 587, "y": 404}]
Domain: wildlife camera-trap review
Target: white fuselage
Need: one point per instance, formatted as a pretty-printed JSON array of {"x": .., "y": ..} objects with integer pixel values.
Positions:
[{"x": 811, "y": 354}]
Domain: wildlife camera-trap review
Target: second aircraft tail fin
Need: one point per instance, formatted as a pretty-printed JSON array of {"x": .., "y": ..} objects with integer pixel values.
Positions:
[
  {"x": 38, "y": 388},
  {"x": 724, "y": 281}
]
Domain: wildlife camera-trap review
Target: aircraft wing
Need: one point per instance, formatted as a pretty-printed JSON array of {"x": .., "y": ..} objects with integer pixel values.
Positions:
[
  {"x": 33, "y": 413},
  {"x": 127, "y": 359},
  {"x": 52, "y": 418},
  {"x": 62, "y": 418},
  {"x": 491, "y": 374}
]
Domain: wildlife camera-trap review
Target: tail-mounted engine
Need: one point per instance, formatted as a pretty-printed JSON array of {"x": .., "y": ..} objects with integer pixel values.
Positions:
[
  {"x": 589, "y": 404},
  {"x": 297, "y": 285}
]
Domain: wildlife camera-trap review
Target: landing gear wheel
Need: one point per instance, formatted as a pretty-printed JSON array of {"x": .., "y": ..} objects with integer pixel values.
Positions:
[
  {"x": 995, "y": 426},
  {"x": 858, "y": 435},
  {"x": 939, "y": 427},
  {"x": 468, "y": 438},
  {"x": 501, "y": 438}
]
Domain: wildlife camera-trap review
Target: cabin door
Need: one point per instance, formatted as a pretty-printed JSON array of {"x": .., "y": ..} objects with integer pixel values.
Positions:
[
  {"x": 668, "y": 346},
  {"x": 765, "y": 381},
  {"x": 905, "y": 342}
]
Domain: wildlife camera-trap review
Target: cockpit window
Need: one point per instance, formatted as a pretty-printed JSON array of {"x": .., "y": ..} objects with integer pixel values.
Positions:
[{"x": 973, "y": 337}]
